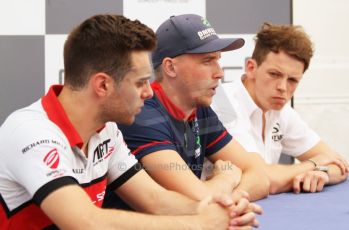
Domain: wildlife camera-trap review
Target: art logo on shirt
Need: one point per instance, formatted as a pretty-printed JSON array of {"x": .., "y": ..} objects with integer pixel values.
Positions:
[
  {"x": 276, "y": 133},
  {"x": 52, "y": 159},
  {"x": 102, "y": 151}
]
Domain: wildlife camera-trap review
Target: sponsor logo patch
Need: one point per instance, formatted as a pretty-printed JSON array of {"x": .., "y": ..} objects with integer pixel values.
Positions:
[
  {"x": 102, "y": 151},
  {"x": 52, "y": 159},
  {"x": 205, "y": 22},
  {"x": 206, "y": 33},
  {"x": 42, "y": 142},
  {"x": 56, "y": 173},
  {"x": 276, "y": 133},
  {"x": 78, "y": 171}
]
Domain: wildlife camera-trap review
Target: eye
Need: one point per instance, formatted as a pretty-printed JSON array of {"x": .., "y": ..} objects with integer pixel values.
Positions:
[
  {"x": 141, "y": 83},
  {"x": 293, "y": 80},
  {"x": 207, "y": 62},
  {"x": 274, "y": 74}
]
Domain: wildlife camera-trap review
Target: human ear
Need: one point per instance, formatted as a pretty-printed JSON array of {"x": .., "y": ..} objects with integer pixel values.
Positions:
[
  {"x": 101, "y": 84},
  {"x": 250, "y": 65},
  {"x": 168, "y": 67}
]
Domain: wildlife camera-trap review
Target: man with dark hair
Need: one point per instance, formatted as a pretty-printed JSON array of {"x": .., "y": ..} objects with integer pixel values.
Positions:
[
  {"x": 177, "y": 128},
  {"x": 58, "y": 155},
  {"x": 256, "y": 113}
]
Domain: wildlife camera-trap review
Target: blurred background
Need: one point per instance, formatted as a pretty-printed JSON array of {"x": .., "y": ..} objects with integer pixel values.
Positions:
[{"x": 32, "y": 34}]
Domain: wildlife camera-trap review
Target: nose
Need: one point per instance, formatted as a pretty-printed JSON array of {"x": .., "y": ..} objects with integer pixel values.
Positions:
[
  {"x": 282, "y": 84},
  {"x": 219, "y": 74},
  {"x": 147, "y": 91}
]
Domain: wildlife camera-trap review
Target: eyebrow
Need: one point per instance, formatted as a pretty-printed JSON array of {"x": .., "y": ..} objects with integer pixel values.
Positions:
[
  {"x": 295, "y": 77},
  {"x": 144, "y": 78},
  {"x": 134, "y": 69},
  {"x": 289, "y": 76},
  {"x": 211, "y": 57}
]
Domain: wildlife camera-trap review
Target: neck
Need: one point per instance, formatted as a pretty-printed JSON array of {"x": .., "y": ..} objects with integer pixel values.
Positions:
[
  {"x": 178, "y": 98},
  {"x": 80, "y": 112},
  {"x": 250, "y": 87}
]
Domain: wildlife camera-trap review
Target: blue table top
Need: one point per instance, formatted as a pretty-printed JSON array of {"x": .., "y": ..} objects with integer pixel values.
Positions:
[{"x": 325, "y": 210}]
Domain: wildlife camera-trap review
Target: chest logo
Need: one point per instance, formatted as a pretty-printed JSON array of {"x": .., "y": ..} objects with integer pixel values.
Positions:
[
  {"x": 196, "y": 131},
  {"x": 102, "y": 151},
  {"x": 276, "y": 133}
]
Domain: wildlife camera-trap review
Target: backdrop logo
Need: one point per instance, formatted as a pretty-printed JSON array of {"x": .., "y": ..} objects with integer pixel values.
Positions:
[{"x": 52, "y": 159}]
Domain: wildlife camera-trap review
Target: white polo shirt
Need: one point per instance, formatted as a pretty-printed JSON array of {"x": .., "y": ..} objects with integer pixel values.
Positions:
[
  {"x": 285, "y": 131},
  {"x": 40, "y": 152}
]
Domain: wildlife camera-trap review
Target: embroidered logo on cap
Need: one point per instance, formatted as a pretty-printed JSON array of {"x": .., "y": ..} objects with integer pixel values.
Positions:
[
  {"x": 205, "y": 22},
  {"x": 206, "y": 32}
]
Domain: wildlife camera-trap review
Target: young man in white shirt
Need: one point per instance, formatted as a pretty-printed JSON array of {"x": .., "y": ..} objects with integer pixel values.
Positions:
[{"x": 255, "y": 111}]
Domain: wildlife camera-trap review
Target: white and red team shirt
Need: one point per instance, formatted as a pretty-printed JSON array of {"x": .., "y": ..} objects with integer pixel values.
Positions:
[
  {"x": 40, "y": 152},
  {"x": 285, "y": 132}
]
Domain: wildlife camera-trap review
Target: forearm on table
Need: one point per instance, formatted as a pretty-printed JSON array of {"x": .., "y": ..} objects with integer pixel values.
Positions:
[
  {"x": 335, "y": 174},
  {"x": 173, "y": 203},
  {"x": 221, "y": 184},
  {"x": 281, "y": 176},
  {"x": 117, "y": 219},
  {"x": 70, "y": 202},
  {"x": 255, "y": 182}
]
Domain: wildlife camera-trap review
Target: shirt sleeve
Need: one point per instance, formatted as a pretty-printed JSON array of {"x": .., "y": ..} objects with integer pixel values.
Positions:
[
  {"x": 298, "y": 137},
  {"x": 149, "y": 133},
  {"x": 122, "y": 164},
  {"x": 38, "y": 158}
]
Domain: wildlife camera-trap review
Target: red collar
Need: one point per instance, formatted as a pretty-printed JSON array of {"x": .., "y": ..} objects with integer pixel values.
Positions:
[
  {"x": 57, "y": 115},
  {"x": 175, "y": 112}
]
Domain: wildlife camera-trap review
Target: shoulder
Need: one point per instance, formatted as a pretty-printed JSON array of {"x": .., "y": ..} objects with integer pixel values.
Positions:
[
  {"x": 152, "y": 114},
  {"x": 288, "y": 115},
  {"x": 27, "y": 126},
  {"x": 30, "y": 121}
]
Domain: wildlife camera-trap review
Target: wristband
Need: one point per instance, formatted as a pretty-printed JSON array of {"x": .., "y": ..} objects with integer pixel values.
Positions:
[
  {"x": 314, "y": 163},
  {"x": 322, "y": 168}
]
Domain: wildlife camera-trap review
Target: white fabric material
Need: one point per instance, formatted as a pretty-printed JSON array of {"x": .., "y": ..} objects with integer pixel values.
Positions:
[
  {"x": 28, "y": 136},
  {"x": 285, "y": 131}
]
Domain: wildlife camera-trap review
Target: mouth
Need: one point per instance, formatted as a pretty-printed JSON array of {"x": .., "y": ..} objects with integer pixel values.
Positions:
[
  {"x": 280, "y": 99},
  {"x": 139, "y": 109},
  {"x": 214, "y": 89}
]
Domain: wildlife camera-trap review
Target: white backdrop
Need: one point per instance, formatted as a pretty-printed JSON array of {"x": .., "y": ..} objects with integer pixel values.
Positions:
[
  {"x": 322, "y": 98},
  {"x": 32, "y": 33}
]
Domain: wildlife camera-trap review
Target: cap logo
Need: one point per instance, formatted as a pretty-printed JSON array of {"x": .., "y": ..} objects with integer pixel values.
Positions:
[
  {"x": 205, "y": 22},
  {"x": 206, "y": 33}
]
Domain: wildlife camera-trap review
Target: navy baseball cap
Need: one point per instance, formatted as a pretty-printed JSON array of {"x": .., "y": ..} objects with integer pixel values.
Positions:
[{"x": 189, "y": 34}]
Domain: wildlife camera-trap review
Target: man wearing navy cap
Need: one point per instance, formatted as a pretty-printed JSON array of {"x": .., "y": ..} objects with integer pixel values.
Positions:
[{"x": 177, "y": 128}]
